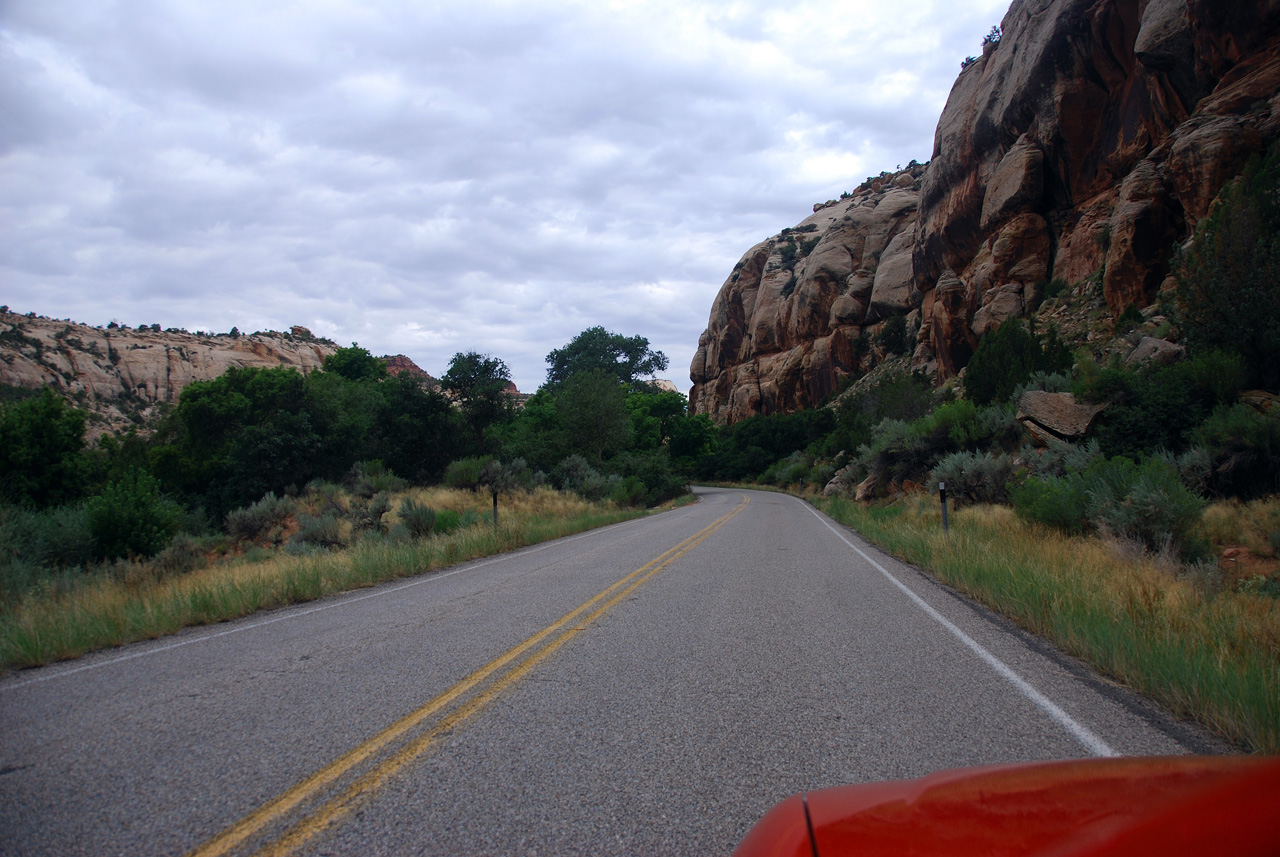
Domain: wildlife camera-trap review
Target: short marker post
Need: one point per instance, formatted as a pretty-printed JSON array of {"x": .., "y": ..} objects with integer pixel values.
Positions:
[{"x": 942, "y": 495}]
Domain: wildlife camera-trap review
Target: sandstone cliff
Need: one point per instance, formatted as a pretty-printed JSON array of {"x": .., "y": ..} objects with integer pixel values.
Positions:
[
  {"x": 121, "y": 375},
  {"x": 1079, "y": 148}
]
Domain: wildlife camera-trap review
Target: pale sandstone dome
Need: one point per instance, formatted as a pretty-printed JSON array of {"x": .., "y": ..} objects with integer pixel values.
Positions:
[
  {"x": 1089, "y": 141},
  {"x": 117, "y": 372}
]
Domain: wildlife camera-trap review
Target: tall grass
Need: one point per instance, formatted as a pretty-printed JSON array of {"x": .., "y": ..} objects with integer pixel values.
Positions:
[
  {"x": 103, "y": 611},
  {"x": 1207, "y": 653}
]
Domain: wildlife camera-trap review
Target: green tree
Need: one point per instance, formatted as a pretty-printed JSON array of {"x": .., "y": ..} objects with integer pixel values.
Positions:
[
  {"x": 593, "y": 415},
  {"x": 481, "y": 386},
  {"x": 417, "y": 430},
  {"x": 355, "y": 364},
  {"x": 627, "y": 358},
  {"x": 132, "y": 518},
  {"x": 535, "y": 433},
  {"x": 232, "y": 439},
  {"x": 1229, "y": 279},
  {"x": 1008, "y": 357},
  {"x": 893, "y": 335},
  {"x": 654, "y": 414},
  {"x": 42, "y": 456}
]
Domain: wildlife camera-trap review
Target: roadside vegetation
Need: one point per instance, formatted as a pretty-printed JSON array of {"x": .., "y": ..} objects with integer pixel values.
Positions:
[
  {"x": 262, "y": 488},
  {"x": 283, "y": 551},
  {"x": 1190, "y": 637}
]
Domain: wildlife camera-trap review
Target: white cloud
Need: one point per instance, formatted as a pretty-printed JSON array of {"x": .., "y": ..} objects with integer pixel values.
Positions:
[{"x": 433, "y": 178}]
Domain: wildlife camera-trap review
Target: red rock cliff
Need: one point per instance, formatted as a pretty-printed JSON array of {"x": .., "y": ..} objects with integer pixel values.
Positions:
[{"x": 1082, "y": 146}]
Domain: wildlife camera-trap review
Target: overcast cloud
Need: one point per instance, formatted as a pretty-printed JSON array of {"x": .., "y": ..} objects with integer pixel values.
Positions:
[{"x": 427, "y": 178}]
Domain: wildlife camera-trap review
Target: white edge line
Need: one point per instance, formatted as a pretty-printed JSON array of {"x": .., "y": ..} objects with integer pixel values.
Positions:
[
  {"x": 339, "y": 601},
  {"x": 1091, "y": 742}
]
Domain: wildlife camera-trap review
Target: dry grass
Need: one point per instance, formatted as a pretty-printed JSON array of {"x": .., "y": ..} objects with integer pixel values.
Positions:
[
  {"x": 1204, "y": 651},
  {"x": 1254, "y": 525},
  {"x": 110, "y": 610}
]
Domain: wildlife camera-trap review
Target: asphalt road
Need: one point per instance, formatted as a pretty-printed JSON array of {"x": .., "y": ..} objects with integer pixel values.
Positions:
[{"x": 652, "y": 687}]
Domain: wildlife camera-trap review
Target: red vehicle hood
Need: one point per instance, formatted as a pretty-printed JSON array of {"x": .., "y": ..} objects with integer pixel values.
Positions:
[{"x": 1161, "y": 807}]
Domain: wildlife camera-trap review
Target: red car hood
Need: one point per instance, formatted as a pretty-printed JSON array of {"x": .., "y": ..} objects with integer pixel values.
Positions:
[{"x": 1161, "y": 807}]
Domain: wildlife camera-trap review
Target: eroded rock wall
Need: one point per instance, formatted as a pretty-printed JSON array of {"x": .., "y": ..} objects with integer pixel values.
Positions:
[
  {"x": 1082, "y": 146},
  {"x": 121, "y": 374},
  {"x": 797, "y": 312}
]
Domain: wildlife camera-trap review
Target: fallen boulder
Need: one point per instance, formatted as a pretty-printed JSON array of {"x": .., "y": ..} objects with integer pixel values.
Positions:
[{"x": 1056, "y": 416}]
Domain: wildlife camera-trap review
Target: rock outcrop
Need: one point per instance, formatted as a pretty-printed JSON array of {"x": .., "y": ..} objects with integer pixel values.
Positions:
[
  {"x": 398, "y": 363},
  {"x": 797, "y": 313},
  {"x": 1082, "y": 146},
  {"x": 121, "y": 375},
  {"x": 1050, "y": 417}
]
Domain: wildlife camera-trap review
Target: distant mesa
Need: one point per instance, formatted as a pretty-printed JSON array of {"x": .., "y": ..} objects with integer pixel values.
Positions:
[{"x": 123, "y": 375}]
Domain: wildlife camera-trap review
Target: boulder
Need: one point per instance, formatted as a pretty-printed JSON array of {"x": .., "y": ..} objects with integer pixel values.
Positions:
[
  {"x": 1056, "y": 416},
  {"x": 1262, "y": 402},
  {"x": 1016, "y": 184},
  {"x": 999, "y": 304},
  {"x": 866, "y": 489},
  {"x": 1158, "y": 351},
  {"x": 894, "y": 284}
]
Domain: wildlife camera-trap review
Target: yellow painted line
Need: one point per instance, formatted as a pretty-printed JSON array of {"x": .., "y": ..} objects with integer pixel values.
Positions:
[{"x": 311, "y": 787}]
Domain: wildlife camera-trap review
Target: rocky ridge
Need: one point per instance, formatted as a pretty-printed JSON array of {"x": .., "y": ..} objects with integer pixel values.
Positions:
[
  {"x": 1070, "y": 158},
  {"x": 123, "y": 376}
]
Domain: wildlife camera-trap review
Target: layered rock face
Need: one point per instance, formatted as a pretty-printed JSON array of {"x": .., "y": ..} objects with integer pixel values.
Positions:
[
  {"x": 121, "y": 374},
  {"x": 796, "y": 313},
  {"x": 1082, "y": 146}
]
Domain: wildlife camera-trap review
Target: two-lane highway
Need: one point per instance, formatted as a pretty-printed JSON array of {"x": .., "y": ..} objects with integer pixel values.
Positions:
[{"x": 650, "y": 687}]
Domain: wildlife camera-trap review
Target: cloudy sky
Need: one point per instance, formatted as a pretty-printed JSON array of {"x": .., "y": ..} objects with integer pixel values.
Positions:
[{"x": 433, "y": 177}]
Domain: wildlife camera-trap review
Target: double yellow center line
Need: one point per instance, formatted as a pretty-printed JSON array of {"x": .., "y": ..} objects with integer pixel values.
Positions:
[{"x": 352, "y": 777}]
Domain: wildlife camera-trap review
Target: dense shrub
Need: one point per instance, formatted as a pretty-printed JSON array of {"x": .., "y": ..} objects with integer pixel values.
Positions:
[
  {"x": 1244, "y": 448},
  {"x": 903, "y": 450},
  {"x": 255, "y": 521},
  {"x": 1060, "y": 458},
  {"x": 975, "y": 477},
  {"x": 1157, "y": 407},
  {"x": 1007, "y": 357},
  {"x": 466, "y": 472},
  {"x": 183, "y": 554},
  {"x": 324, "y": 531},
  {"x": 576, "y": 474},
  {"x": 1056, "y": 501},
  {"x": 417, "y": 518},
  {"x": 904, "y": 396},
  {"x": 748, "y": 447},
  {"x": 787, "y": 471},
  {"x": 1049, "y": 382},
  {"x": 893, "y": 335},
  {"x": 369, "y": 514},
  {"x": 59, "y": 537},
  {"x": 1146, "y": 502},
  {"x": 368, "y": 478},
  {"x": 653, "y": 469},
  {"x": 628, "y": 491},
  {"x": 131, "y": 517}
]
